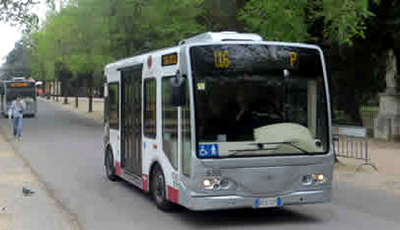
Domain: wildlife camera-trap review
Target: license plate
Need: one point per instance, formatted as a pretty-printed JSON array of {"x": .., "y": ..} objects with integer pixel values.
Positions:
[{"x": 268, "y": 202}]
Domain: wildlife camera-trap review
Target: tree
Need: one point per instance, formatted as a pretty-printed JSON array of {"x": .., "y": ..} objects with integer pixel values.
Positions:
[
  {"x": 17, "y": 60},
  {"x": 220, "y": 15},
  {"x": 281, "y": 20},
  {"x": 165, "y": 23},
  {"x": 18, "y": 12}
]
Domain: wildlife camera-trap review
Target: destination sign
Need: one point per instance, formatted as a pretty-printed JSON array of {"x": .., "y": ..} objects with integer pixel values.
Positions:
[
  {"x": 170, "y": 59},
  {"x": 19, "y": 84},
  {"x": 255, "y": 59}
]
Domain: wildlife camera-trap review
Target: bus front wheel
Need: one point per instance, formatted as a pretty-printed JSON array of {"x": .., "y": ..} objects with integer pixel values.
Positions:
[
  {"x": 157, "y": 189},
  {"x": 109, "y": 164}
]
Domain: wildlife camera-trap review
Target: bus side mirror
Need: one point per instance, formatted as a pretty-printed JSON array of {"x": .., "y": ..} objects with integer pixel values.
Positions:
[
  {"x": 105, "y": 93},
  {"x": 178, "y": 94},
  {"x": 286, "y": 74}
]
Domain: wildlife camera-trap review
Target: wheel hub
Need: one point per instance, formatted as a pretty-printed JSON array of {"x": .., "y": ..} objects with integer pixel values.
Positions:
[{"x": 160, "y": 186}]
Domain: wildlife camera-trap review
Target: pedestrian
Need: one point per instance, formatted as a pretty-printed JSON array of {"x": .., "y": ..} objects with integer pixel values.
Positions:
[{"x": 17, "y": 111}]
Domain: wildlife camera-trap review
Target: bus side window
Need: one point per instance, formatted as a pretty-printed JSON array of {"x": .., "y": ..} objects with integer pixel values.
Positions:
[
  {"x": 169, "y": 124},
  {"x": 150, "y": 108},
  {"x": 170, "y": 128},
  {"x": 106, "y": 108},
  {"x": 113, "y": 105}
]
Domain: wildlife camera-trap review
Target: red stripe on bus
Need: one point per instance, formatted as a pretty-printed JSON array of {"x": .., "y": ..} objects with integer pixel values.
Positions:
[
  {"x": 117, "y": 168},
  {"x": 145, "y": 182},
  {"x": 173, "y": 195}
]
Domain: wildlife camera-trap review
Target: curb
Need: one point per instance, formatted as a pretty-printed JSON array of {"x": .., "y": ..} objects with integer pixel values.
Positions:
[{"x": 71, "y": 217}]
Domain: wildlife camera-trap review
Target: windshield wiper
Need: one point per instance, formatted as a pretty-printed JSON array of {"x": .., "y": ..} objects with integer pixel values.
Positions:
[
  {"x": 236, "y": 151},
  {"x": 291, "y": 143}
]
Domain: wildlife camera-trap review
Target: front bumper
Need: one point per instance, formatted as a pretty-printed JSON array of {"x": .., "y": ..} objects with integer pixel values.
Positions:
[{"x": 234, "y": 201}]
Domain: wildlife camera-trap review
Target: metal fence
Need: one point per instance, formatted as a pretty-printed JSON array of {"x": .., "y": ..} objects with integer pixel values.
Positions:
[
  {"x": 368, "y": 114},
  {"x": 390, "y": 127},
  {"x": 352, "y": 142}
]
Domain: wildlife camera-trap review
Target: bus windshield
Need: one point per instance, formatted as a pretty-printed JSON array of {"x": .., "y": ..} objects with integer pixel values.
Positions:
[{"x": 258, "y": 100}]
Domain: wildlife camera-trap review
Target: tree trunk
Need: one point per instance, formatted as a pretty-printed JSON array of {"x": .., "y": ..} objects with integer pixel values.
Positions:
[
  {"x": 90, "y": 92},
  {"x": 352, "y": 108},
  {"x": 54, "y": 90},
  {"x": 76, "y": 96},
  {"x": 47, "y": 87},
  {"x": 65, "y": 88}
]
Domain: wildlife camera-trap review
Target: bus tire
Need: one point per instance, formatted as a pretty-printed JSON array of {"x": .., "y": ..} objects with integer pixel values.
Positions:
[
  {"x": 109, "y": 165},
  {"x": 158, "y": 189}
]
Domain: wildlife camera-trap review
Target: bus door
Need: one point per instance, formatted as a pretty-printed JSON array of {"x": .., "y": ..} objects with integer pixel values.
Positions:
[
  {"x": 1, "y": 97},
  {"x": 131, "y": 122}
]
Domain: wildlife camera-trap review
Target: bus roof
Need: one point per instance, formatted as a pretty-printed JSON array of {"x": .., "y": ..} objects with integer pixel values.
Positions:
[
  {"x": 138, "y": 59},
  {"x": 205, "y": 38},
  {"x": 222, "y": 36}
]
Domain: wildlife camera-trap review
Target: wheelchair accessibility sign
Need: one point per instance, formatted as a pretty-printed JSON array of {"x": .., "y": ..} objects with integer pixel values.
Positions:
[{"x": 208, "y": 150}]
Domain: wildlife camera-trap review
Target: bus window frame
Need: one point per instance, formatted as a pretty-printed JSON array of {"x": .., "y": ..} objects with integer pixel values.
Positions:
[
  {"x": 109, "y": 101},
  {"x": 145, "y": 134}
]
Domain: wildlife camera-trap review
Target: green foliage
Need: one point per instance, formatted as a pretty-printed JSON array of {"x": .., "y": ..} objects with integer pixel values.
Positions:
[
  {"x": 288, "y": 20},
  {"x": 220, "y": 15},
  {"x": 86, "y": 34},
  {"x": 280, "y": 20},
  {"x": 18, "y": 12},
  {"x": 17, "y": 61},
  {"x": 164, "y": 23},
  {"x": 345, "y": 19}
]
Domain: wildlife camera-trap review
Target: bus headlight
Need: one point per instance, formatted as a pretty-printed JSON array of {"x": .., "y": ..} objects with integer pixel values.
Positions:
[
  {"x": 306, "y": 180},
  {"x": 218, "y": 184},
  {"x": 313, "y": 179},
  {"x": 211, "y": 183},
  {"x": 206, "y": 183},
  {"x": 321, "y": 178}
]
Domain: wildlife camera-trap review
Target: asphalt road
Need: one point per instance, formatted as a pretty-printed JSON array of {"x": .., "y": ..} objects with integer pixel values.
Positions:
[{"x": 65, "y": 149}]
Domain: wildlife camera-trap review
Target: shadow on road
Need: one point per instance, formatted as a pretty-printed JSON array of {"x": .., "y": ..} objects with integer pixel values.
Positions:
[
  {"x": 227, "y": 218},
  {"x": 240, "y": 217}
]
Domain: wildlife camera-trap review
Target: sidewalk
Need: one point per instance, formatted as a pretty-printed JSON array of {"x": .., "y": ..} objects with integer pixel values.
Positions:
[
  {"x": 39, "y": 211},
  {"x": 82, "y": 109},
  {"x": 384, "y": 155}
]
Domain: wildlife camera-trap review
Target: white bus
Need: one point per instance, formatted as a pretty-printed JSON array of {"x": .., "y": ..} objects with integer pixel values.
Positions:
[
  {"x": 223, "y": 120},
  {"x": 10, "y": 89}
]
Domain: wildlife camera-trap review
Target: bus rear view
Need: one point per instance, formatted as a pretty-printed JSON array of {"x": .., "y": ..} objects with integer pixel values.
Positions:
[{"x": 19, "y": 87}]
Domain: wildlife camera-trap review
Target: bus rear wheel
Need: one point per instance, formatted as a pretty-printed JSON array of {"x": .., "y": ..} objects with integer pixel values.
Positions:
[
  {"x": 109, "y": 164},
  {"x": 157, "y": 189}
]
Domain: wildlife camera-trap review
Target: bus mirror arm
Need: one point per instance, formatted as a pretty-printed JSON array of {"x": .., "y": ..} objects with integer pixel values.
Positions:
[{"x": 178, "y": 89}]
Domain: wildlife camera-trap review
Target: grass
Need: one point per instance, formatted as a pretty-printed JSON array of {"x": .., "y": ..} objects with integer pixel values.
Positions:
[{"x": 369, "y": 112}]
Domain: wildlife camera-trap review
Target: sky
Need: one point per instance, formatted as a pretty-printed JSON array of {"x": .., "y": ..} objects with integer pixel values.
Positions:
[{"x": 9, "y": 35}]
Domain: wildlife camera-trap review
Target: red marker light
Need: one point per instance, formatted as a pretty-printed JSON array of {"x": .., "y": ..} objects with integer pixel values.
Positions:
[{"x": 149, "y": 62}]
